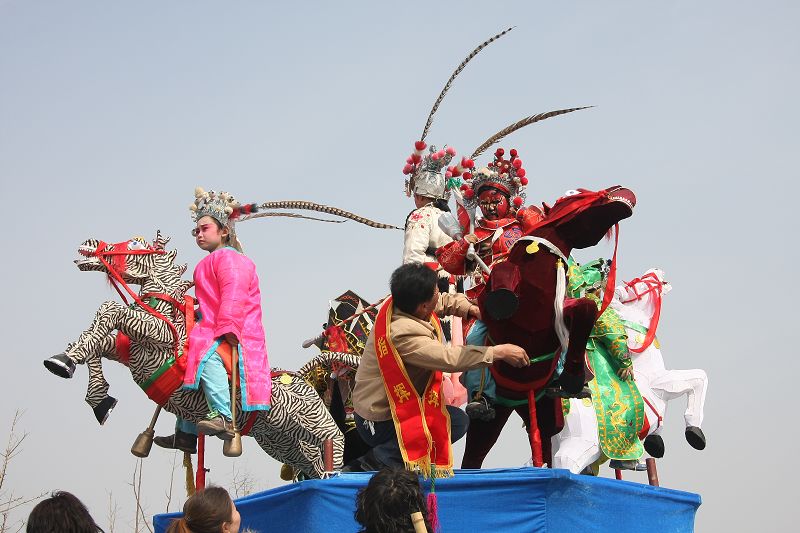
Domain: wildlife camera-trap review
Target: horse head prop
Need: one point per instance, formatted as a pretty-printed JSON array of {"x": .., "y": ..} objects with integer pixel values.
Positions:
[
  {"x": 522, "y": 301},
  {"x": 525, "y": 304}
]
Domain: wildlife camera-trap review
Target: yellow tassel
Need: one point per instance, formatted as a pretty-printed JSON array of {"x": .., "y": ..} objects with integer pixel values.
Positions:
[{"x": 187, "y": 464}]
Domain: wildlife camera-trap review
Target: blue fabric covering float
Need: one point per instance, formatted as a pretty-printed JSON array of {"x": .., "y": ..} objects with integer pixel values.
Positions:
[{"x": 503, "y": 500}]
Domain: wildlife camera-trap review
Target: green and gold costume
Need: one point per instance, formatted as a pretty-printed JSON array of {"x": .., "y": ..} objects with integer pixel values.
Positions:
[{"x": 618, "y": 404}]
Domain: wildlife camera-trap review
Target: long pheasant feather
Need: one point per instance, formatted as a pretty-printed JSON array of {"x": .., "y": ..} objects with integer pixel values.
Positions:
[
  {"x": 521, "y": 124},
  {"x": 453, "y": 77},
  {"x": 291, "y": 215},
  {"x": 311, "y": 206}
]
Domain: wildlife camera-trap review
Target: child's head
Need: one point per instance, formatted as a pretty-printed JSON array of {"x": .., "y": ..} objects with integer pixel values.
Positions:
[
  {"x": 210, "y": 234},
  {"x": 208, "y": 511}
]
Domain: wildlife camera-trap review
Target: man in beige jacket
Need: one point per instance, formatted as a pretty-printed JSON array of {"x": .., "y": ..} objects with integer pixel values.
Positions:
[{"x": 415, "y": 297}]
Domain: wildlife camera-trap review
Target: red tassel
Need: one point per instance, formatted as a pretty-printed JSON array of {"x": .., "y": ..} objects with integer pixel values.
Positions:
[{"x": 433, "y": 511}]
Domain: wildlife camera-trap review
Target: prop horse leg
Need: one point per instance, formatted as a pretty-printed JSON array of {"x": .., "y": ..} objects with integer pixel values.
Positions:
[
  {"x": 579, "y": 316},
  {"x": 482, "y": 435},
  {"x": 113, "y": 316},
  {"x": 318, "y": 421},
  {"x": 546, "y": 424},
  {"x": 97, "y": 393},
  {"x": 693, "y": 383},
  {"x": 577, "y": 444},
  {"x": 97, "y": 389}
]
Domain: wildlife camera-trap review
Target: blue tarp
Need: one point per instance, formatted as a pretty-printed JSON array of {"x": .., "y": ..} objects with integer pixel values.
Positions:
[{"x": 502, "y": 500}]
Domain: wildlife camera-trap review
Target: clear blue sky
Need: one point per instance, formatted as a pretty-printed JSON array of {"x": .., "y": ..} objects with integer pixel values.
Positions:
[{"x": 111, "y": 113}]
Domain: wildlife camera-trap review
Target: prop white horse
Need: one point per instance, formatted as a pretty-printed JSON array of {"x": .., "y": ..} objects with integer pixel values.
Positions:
[{"x": 638, "y": 303}]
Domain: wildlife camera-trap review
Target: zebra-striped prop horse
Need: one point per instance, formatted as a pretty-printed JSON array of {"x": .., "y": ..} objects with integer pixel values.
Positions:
[{"x": 148, "y": 336}]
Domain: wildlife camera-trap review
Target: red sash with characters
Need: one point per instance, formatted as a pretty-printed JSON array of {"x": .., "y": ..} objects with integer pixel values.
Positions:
[{"x": 422, "y": 424}]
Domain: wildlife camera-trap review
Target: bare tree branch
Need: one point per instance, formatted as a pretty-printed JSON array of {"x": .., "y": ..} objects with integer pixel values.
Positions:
[
  {"x": 9, "y": 502},
  {"x": 113, "y": 508},
  {"x": 137, "y": 493},
  {"x": 171, "y": 479},
  {"x": 242, "y": 483}
]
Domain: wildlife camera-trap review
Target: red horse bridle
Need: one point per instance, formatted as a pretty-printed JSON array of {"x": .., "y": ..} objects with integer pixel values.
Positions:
[
  {"x": 654, "y": 287},
  {"x": 118, "y": 253}
]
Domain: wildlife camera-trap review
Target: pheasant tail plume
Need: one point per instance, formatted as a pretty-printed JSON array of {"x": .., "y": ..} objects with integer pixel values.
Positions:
[
  {"x": 521, "y": 124},
  {"x": 335, "y": 211},
  {"x": 453, "y": 77}
]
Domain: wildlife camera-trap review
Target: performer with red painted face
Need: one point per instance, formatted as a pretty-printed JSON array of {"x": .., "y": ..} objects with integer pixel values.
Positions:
[{"x": 498, "y": 189}]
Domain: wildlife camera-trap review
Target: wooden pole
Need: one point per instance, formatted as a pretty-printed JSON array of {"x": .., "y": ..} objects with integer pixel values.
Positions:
[
  {"x": 233, "y": 447},
  {"x": 200, "y": 475},
  {"x": 419, "y": 523},
  {"x": 652, "y": 472},
  {"x": 327, "y": 454},
  {"x": 534, "y": 434}
]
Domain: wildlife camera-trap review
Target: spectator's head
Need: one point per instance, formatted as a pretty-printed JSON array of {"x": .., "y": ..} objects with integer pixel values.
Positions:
[
  {"x": 62, "y": 512},
  {"x": 414, "y": 289},
  {"x": 385, "y": 505},
  {"x": 208, "y": 511}
]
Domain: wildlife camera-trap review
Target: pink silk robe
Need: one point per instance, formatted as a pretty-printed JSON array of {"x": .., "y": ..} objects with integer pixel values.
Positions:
[{"x": 226, "y": 287}]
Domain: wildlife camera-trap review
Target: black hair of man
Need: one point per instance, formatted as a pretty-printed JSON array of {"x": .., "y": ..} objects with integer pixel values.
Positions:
[
  {"x": 412, "y": 284},
  {"x": 386, "y": 503},
  {"x": 61, "y": 513}
]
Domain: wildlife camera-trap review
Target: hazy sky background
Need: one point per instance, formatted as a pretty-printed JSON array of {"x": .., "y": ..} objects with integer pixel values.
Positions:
[{"x": 111, "y": 114}]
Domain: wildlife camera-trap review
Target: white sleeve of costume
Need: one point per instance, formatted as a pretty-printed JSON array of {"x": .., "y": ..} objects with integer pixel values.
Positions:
[{"x": 417, "y": 238}]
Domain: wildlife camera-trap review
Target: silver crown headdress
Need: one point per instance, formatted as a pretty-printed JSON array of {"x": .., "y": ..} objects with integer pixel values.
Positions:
[{"x": 425, "y": 176}]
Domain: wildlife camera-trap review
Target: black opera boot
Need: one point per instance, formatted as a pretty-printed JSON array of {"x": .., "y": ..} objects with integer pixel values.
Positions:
[{"x": 185, "y": 442}]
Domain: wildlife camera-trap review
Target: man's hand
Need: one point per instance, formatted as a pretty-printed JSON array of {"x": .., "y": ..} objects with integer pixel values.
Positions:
[
  {"x": 475, "y": 311},
  {"x": 471, "y": 238},
  {"x": 231, "y": 339},
  {"x": 511, "y": 354},
  {"x": 625, "y": 373}
]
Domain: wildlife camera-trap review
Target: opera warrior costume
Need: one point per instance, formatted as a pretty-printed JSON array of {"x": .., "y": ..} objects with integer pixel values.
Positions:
[
  {"x": 499, "y": 191},
  {"x": 617, "y": 403},
  {"x": 428, "y": 185}
]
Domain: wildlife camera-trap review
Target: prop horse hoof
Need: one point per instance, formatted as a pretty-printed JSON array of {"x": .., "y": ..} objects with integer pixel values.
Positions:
[
  {"x": 570, "y": 383},
  {"x": 60, "y": 365},
  {"x": 104, "y": 408},
  {"x": 695, "y": 437},
  {"x": 633, "y": 464},
  {"x": 654, "y": 446}
]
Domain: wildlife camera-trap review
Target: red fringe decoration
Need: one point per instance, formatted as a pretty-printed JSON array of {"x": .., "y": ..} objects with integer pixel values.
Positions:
[{"x": 433, "y": 512}]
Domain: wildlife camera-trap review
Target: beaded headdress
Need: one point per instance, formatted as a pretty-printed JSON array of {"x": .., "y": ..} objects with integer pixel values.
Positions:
[
  {"x": 427, "y": 173},
  {"x": 505, "y": 175}
]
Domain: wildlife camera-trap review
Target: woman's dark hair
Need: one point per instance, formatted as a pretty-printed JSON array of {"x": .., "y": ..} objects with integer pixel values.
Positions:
[
  {"x": 204, "y": 512},
  {"x": 439, "y": 204},
  {"x": 411, "y": 285},
  {"x": 386, "y": 503},
  {"x": 62, "y": 512},
  {"x": 442, "y": 205}
]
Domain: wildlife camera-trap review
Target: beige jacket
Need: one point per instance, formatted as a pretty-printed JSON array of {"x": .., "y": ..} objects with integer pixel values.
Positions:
[{"x": 421, "y": 352}]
